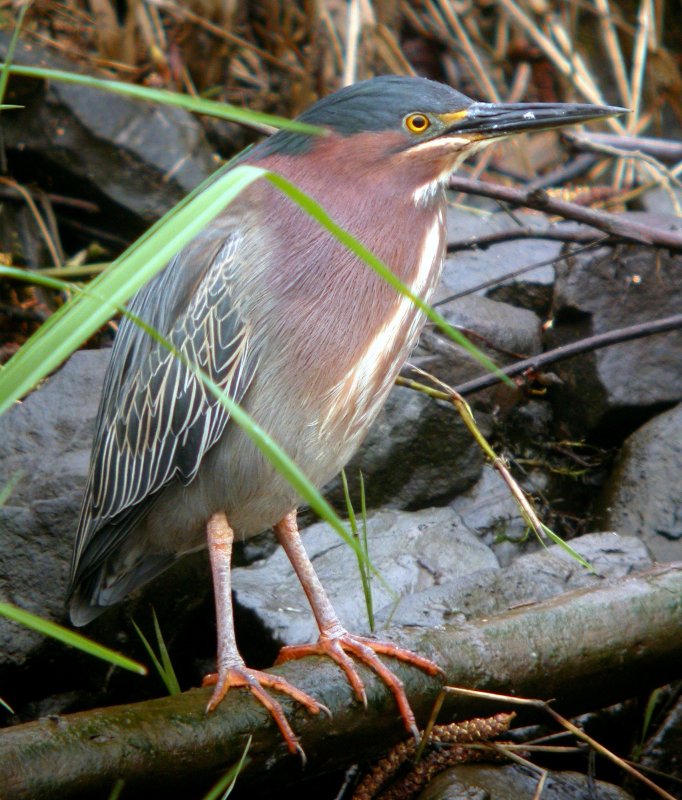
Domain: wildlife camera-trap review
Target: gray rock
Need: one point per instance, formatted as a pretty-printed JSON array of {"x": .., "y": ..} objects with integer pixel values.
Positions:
[
  {"x": 466, "y": 269},
  {"x": 141, "y": 157},
  {"x": 500, "y": 329},
  {"x": 488, "y": 510},
  {"x": 643, "y": 496},
  {"x": 44, "y": 456},
  {"x": 500, "y": 324},
  {"x": 603, "y": 290},
  {"x": 529, "y": 579},
  {"x": 411, "y": 551},
  {"x": 418, "y": 452},
  {"x": 489, "y": 782}
]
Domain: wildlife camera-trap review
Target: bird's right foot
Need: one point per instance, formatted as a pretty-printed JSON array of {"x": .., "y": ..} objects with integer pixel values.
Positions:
[{"x": 256, "y": 682}]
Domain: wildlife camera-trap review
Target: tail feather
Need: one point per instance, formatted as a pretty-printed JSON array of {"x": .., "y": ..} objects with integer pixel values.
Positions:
[{"x": 97, "y": 592}]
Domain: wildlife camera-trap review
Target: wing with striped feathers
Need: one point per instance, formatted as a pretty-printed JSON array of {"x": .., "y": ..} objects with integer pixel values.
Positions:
[{"x": 156, "y": 419}]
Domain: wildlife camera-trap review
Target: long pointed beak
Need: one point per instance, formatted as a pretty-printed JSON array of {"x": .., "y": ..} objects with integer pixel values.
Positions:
[{"x": 491, "y": 120}]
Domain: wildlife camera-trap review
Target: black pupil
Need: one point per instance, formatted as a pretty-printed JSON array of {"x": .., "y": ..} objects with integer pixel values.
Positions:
[{"x": 418, "y": 122}]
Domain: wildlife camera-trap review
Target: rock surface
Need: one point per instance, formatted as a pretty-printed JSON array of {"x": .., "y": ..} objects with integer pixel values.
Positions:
[
  {"x": 643, "y": 496},
  {"x": 616, "y": 387},
  {"x": 417, "y": 453},
  {"x": 44, "y": 456},
  {"x": 529, "y": 579},
  {"x": 411, "y": 551},
  {"x": 467, "y": 269},
  {"x": 138, "y": 159},
  {"x": 488, "y": 782}
]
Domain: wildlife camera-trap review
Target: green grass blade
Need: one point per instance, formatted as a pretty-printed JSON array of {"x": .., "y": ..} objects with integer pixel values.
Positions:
[
  {"x": 652, "y": 702},
  {"x": 197, "y": 105},
  {"x": 4, "y": 70},
  {"x": 70, "y": 638},
  {"x": 223, "y": 787},
  {"x": 163, "y": 665},
  {"x": 564, "y": 545},
  {"x": 362, "y": 552},
  {"x": 173, "y": 684},
  {"x": 349, "y": 504},
  {"x": 6, "y": 705},
  {"x": 86, "y": 313},
  {"x": 150, "y": 652},
  {"x": 116, "y": 789},
  {"x": 367, "y": 578},
  {"x": 8, "y": 488},
  {"x": 363, "y": 510}
]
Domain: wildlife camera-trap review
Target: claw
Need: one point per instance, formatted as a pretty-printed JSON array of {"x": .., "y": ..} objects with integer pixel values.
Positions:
[
  {"x": 340, "y": 647},
  {"x": 255, "y": 681}
]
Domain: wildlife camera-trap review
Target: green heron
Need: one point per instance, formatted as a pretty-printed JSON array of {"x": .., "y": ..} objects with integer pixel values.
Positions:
[{"x": 300, "y": 332}]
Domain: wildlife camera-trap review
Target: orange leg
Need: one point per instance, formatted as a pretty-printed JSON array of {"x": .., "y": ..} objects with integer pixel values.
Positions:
[
  {"x": 231, "y": 668},
  {"x": 335, "y": 641}
]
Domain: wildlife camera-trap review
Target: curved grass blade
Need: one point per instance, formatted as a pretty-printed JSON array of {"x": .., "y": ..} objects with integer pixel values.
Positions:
[
  {"x": 70, "y": 638},
  {"x": 197, "y": 105},
  {"x": 572, "y": 552},
  {"x": 162, "y": 663},
  {"x": 223, "y": 787},
  {"x": 78, "y": 319}
]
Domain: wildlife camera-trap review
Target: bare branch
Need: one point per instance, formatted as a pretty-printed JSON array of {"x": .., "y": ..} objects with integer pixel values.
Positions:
[
  {"x": 587, "y": 649},
  {"x": 616, "y": 225},
  {"x": 589, "y": 344}
]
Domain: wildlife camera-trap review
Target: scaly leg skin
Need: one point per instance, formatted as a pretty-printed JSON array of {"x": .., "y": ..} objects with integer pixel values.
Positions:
[
  {"x": 231, "y": 668},
  {"x": 335, "y": 641}
]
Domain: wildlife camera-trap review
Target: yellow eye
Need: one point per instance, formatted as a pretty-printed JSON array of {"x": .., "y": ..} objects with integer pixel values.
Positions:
[{"x": 417, "y": 123}]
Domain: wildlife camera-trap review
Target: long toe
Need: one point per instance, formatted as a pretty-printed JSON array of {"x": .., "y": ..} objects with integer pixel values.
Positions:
[
  {"x": 407, "y": 656},
  {"x": 342, "y": 649},
  {"x": 257, "y": 682}
]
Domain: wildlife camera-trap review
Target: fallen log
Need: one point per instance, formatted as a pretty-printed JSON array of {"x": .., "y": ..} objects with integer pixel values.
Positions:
[{"x": 586, "y": 648}]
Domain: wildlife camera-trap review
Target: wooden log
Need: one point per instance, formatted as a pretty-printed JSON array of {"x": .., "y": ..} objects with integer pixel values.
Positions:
[{"x": 587, "y": 649}]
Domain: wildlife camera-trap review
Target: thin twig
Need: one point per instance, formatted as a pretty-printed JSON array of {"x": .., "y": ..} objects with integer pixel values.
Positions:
[
  {"x": 662, "y": 149},
  {"x": 568, "y": 725},
  {"x": 589, "y": 344},
  {"x": 540, "y": 200},
  {"x": 449, "y": 394},
  {"x": 576, "y": 235},
  {"x": 40, "y": 222},
  {"x": 478, "y": 71}
]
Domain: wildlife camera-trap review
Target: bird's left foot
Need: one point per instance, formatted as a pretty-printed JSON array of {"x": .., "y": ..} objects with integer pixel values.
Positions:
[
  {"x": 340, "y": 648},
  {"x": 257, "y": 682}
]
